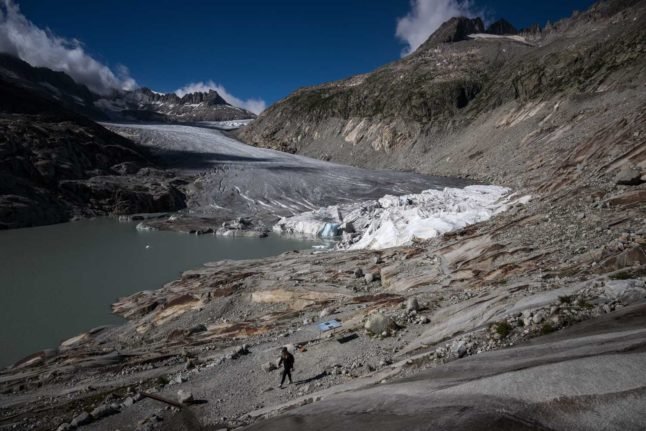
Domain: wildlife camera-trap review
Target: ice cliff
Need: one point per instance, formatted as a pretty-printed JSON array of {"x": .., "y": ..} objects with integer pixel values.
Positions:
[{"x": 398, "y": 220}]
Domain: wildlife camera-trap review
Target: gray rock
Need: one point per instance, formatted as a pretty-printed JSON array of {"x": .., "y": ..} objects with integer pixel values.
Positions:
[
  {"x": 538, "y": 317},
  {"x": 103, "y": 411},
  {"x": 184, "y": 397},
  {"x": 128, "y": 402},
  {"x": 625, "y": 291},
  {"x": 64, "y": 427},
  {"x": 379, "y": 323},
  {"x": 412, "y": 304},
  {"x": 384, "y": 362},
  {"x": 358, "y": 273},
  {"x": 290, "y": 348},
  {"x": 347, "y": 227},
  {"x": 197, "y": 329},
  {"x": 371, "y": 276},
  {"x": 629, "y": 176},
  {"x": 459, "y": 348},
  {"x": 326, "y": 312},
  {"x": 82, "y": 419},
  {"x": 269, "y": 366}
]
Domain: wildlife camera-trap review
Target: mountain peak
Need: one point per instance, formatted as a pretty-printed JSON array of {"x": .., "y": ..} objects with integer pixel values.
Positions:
[
  {"x": 501, "y": 27},
  {"x": 211, "y": 97},
  {"x": 454, "y": 30}
]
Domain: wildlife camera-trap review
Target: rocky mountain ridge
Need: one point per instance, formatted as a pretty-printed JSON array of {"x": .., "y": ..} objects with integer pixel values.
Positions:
[
  {"x": 400, "y": 115},
  {"x": 56, "y": 164},
  {"x": 146, "y": 105},
  {"x": 141, "y": 104}
]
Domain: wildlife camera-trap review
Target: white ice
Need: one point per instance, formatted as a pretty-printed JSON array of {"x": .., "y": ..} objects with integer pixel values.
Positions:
[{"x": 398, "y": 220}]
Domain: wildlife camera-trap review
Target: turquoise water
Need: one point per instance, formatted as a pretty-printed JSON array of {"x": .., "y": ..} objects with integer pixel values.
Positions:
[{"x": 58, "y": 281}]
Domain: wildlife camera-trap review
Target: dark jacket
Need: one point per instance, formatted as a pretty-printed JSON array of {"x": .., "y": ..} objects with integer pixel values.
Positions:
[{"x": 287, "y": 361}]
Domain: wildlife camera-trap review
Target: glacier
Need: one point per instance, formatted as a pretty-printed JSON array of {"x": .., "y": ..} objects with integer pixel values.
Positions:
[{"x": 399, "y": 220}]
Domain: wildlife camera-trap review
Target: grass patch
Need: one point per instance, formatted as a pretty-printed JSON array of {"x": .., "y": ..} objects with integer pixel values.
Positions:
[
  {"x": 547, "y": 329},
  {"x": 502, "y": 328},
  {"x": 162, "y": 380},
  {"x": 625, "y": 275},
  {"x": 585, "y": 304},
  {"x": 567, "y": 299},
  {"x": 569, "y": 272}
]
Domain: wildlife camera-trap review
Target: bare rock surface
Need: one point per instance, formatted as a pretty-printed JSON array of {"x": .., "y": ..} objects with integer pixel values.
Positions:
[{"x": 589, "y": 377}]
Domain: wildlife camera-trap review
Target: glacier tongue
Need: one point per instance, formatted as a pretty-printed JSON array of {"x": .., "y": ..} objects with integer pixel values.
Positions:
[{"x": 398, "y": 220}]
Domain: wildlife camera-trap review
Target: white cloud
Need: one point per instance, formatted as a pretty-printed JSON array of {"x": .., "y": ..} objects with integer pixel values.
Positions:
[
  {"x": 38, "y": 47},
  {"x": 425, "y": 17},
  {"x": 254, "y": 105}
]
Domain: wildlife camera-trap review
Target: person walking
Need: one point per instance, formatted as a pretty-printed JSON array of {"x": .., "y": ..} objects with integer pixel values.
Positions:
[{"x": 287, "y": 361}]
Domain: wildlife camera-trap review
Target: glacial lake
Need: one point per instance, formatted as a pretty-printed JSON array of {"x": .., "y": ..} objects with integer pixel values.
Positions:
[{"x": 58, "y": 281}]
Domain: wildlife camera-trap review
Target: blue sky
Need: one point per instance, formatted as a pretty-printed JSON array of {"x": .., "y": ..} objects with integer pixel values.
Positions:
[{"x": 256, "y": 49}]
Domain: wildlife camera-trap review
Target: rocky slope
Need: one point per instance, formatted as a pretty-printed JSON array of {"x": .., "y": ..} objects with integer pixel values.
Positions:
[
  {"x": 56, "y": 165},
  {"x": 442, "y": 99}
]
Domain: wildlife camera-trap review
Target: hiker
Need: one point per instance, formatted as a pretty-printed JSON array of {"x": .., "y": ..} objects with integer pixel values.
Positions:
[{"x": 287, "y": 361}]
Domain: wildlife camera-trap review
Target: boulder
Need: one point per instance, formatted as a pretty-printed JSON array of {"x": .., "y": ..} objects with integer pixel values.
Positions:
[
  {"x": 372, "y": 276},
  {"x": 326, "y": 312},
  {"x": 379, "y": 323},
  {"x": 269, "y": 366},
  {"x": 347, "y": 227},
  {"x": 290, "y": 348},
  {"x": 459, "y": 348},
  {"x": 242, "y": 350},
  {"x": 412, "y": 304},
  {"x": 125, "y": 168},
  {"x": 625, "y": 291},
  {"x": 184, "y": 397},
  {"x": 629, "y": 176},
  {"x": 197, "y": 329},
  {"x": 539, "y": 316},
  {"x": 103, "y": 411},
  {"x": 82, "y": 419}
]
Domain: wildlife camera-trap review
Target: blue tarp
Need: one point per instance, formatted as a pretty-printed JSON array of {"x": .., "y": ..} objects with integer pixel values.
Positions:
[{"x": 329, "y": 325}]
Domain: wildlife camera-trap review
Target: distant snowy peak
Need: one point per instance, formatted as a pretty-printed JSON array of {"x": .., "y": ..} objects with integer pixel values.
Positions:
[
  {"x": 144, "y": 104},
  {"x": 209, "y": 98},
  {"x": 141, "y": 104}
]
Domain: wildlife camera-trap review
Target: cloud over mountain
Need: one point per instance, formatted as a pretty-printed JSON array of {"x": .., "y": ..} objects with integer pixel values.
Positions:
[
  {"x": 425, "y": 17},
  {"x": 38, "y": 47}
]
